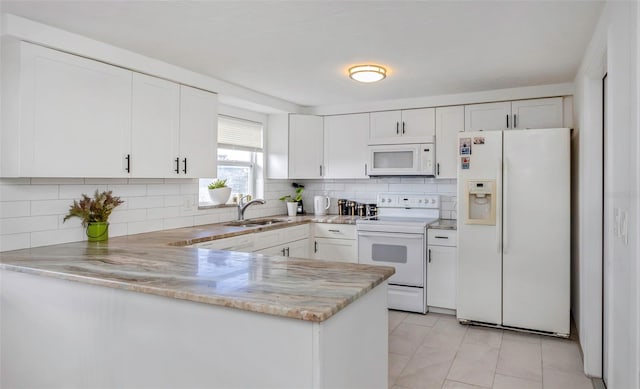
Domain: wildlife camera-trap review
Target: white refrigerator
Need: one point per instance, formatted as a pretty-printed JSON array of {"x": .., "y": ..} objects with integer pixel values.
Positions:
[{"x": 514, "y": 229}]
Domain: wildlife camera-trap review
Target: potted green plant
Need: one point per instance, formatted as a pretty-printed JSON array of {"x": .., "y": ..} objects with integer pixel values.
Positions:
[
  {"x": 94, "y": 213},
  {"x": 219, "y": 192},
  {"x": 293, "y": 201}
]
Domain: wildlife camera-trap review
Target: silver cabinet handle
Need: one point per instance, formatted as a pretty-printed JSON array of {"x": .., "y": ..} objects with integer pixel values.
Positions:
[
  {"x": 441, "y": 237},
  {"x": 365, "y": 169},
  {"x": 320, "y": 170},
  {"x": 282, "y": 251},
  {"x": 334, "y": 230},
  {"x": 515, "y": 123},
  {"x": 315, "y": 246},
  {"x": 287, "y": 251},
  {"x": 429, "y": 256},
  {"x": 397, "y": 128},
  {"x": 507, "y": 121},
  {"x": 438, "y": 169},
  {"x": 402, "y": 128}
]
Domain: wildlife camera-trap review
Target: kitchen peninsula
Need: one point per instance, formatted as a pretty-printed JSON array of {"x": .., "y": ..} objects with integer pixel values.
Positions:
[{"x": 142, "y": 311}]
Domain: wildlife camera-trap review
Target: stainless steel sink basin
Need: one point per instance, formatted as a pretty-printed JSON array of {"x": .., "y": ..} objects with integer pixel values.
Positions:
[{"x": 253, "y": 223}]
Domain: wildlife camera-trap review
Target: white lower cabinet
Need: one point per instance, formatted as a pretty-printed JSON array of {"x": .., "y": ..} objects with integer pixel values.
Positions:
[
  {"x": 335, "y": 242},
  {"x": 296, "y": 249},
  {"x": 442, "y": 258},
  {"x": 235, "y": 243}
]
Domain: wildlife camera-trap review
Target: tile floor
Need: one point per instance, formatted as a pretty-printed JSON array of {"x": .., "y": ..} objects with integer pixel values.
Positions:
[{"x": 435, "y": 351}]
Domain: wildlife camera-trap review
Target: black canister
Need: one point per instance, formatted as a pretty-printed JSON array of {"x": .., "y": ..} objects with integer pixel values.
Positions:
[
  {"x": 352, "y": 208},
  {"x": 372, "y": 209},
  {"x": 362, "y": 210},
  {"x": 342, "y": 207}
]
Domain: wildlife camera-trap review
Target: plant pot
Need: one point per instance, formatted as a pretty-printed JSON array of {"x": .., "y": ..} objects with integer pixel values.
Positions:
[
  {"x": 220, "y": 195},
  {"x": 97, "y": 231},
  {"x": 292, "y": 208}
]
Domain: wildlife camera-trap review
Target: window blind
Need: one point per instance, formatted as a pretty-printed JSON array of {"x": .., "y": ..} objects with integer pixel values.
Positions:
[{"x": 240, "y": 134}]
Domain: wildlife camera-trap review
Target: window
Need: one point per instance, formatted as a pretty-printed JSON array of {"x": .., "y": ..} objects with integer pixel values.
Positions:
[{"x": 240, "y": 158}]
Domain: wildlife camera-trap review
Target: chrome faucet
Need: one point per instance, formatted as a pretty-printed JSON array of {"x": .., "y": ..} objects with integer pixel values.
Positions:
[{"x": 242, "y": 206}]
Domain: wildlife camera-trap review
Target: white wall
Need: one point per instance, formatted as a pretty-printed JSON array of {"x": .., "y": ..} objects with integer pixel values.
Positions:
[
  {"x": 614, "y": 48},
  {"x": 365, "y": 191}
]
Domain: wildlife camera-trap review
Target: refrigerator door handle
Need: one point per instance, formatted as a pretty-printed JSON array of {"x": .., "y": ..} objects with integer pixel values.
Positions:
[
  {"x": 499, "y": 210},
  {"x": 505, "y": 214}
]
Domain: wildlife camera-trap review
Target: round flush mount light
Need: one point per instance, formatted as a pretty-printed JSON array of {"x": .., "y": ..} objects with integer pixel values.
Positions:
[{"x": 367, "y": 73}]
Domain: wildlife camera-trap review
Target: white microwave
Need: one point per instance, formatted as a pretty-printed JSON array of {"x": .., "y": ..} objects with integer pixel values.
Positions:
[{"x": 402, "y": 160}]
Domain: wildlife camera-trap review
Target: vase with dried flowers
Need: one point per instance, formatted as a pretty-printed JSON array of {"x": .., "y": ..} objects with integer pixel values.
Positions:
[{"x": 94, "y": 213}]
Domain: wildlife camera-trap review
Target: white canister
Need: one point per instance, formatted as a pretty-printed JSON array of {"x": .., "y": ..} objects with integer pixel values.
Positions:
[{"x": 320, "y": 205}]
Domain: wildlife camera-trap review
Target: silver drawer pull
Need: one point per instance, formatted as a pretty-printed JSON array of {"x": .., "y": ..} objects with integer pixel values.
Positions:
[
  {"x": 441, "y": 237},
  {"x": 334, "y": 230}
]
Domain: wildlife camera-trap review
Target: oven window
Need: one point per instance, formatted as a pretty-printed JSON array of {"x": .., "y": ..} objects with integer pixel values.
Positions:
[{"x": 389, "y": 253}]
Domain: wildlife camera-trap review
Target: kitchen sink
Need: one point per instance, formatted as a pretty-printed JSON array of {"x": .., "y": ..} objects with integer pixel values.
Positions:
[{"x": 253, "y": 223}]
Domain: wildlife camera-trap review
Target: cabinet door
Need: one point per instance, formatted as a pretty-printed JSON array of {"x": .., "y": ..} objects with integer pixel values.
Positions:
[
  {"x": 75, "y": 116},
  {"x": 418, "y": 125},
  {"x": 385, "y": 127},
  {"x": 198, "y": 133},
  {"x": 449, "y": 122},
  {"x": 345, "y": 145},
  {"x": 280, "y": 250},
  {"x": 537, "y": 113},
  {"x": 441, "y": 277},
  {"x": 490, "y": 116},
  {"x": 338, "y": 250},
  {"x": 305, "y": 146},
  {"x": 299, "y": 248},
  {"x": 154, "y": 127}
]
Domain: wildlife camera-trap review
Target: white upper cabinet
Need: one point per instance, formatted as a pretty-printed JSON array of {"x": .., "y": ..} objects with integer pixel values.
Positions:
[
  {"x": 345, "y": 145},
  {"x": 155, "y": 124},
  {"x": 520, "y": 114},
  {"x": 537, "y": 113},
  {"x": 197, "y": 155},
  {"x": 418, "y": 125},
  {"x": 408, "y": 126},
  {"x": 67, "y": 116},
  {"x": 306, "y": 150},
  {"x": 489, "y": 116},
  {"x": 449, "y": 122}
]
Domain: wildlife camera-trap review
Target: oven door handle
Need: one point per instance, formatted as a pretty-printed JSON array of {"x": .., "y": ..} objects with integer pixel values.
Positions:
[{"x": 404, "y": 235}]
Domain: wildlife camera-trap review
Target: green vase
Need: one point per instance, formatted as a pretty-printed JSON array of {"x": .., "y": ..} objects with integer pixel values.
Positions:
[{"x": 98, "y": 231}]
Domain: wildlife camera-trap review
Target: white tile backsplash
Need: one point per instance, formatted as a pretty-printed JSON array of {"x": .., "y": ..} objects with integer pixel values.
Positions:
[
  {"x": 366, "y": 190},
  {"x": 32, "y": 210}
]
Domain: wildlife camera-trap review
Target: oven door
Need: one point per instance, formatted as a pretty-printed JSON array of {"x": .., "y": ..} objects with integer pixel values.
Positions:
[{"x": 404, "y": 251}]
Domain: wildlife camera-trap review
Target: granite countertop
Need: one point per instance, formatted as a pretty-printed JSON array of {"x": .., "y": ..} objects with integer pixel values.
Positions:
[
  {"x": 444, "y": 224},
  {"x": 154, "y": 263}
]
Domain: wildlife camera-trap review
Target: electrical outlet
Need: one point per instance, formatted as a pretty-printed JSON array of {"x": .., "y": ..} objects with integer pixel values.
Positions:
[{"x": 188, "y": 203}]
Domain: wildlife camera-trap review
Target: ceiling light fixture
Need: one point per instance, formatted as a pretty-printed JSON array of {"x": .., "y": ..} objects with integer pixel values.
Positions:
[{"x": 367, "y": 73}]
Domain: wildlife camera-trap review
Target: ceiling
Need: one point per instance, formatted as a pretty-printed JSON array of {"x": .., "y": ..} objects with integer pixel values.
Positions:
[{"x": 299, "y": 50}]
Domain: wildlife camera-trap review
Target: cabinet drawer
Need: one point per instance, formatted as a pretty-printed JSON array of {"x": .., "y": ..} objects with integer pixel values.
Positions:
[
  {"x": 341, "y": 231},
  {"x": 279, "y": 237},
  {"x": 437, "y": 237}
]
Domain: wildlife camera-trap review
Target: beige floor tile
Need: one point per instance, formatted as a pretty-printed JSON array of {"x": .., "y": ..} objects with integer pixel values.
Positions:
[
  {"x": 428, "y": 320},
  {"x": 395, "y": 318},
  {"x": 447, "y": 332},
  {"x": 483, "y": 335},
  {"x": 556, "y": 379},
  {"x": 521, "y": 337},
  {"x": 520, "y": 359},
  {"x": 427, "y": 369},
  {"x": 505, "y": 382},
  {"x": 474, "y": 364},
  {"x": 397, "y": 363},
  {"x": 448, "y": 384},
  {"x": 406, "y": 338},
  {"x": 561, "y": 354}
]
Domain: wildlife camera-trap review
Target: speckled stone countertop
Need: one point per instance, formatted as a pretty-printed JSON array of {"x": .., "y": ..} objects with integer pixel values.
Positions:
[
  {"x": 153, "y": 263},
  {"x": 444, "y": 224}
]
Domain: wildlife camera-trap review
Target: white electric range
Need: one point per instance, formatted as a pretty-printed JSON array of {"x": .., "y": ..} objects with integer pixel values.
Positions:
[{"x": 397, "y": 237}]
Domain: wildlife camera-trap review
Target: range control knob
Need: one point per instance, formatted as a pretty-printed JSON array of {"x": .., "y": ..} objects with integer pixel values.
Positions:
[
  {"x": 382, "y": 200},
  {"x": 433, "y": 201},
  {"x": 420, "y": 201}
]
